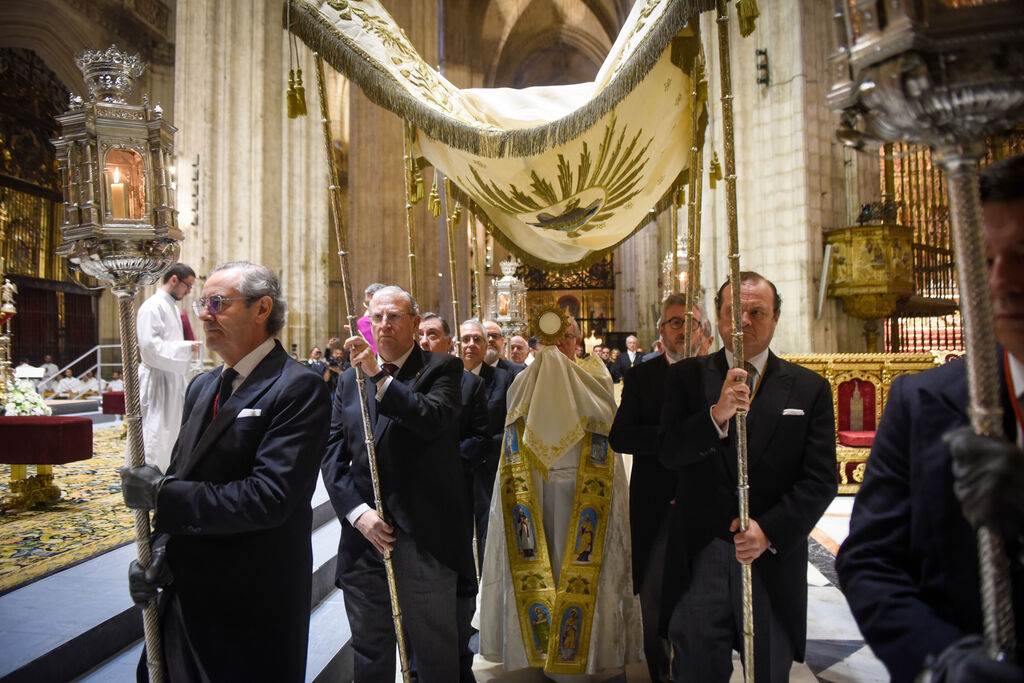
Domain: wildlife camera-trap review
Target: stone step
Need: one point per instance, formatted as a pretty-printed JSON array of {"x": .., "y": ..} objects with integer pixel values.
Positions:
[
  {"x": 328, "y": 657},
  {"x": 76, "y": 620}
]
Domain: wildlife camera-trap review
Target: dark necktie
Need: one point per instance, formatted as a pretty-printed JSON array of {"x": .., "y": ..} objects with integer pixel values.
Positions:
[
  {"x": 224, "y": 392},
  {"x": 391, "y": 369}
]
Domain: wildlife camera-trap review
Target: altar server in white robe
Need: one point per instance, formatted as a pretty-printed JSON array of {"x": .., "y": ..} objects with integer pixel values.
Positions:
[
  {"x": 166, "y": 357},
  {"x": 576, "y": 519}
]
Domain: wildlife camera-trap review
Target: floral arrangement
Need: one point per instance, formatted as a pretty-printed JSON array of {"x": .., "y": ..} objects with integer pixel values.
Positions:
[{"x": 22, "y": 399}]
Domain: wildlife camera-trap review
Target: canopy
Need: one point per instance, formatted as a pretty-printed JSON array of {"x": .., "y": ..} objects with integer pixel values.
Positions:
[{"x": 560, "y": 174}]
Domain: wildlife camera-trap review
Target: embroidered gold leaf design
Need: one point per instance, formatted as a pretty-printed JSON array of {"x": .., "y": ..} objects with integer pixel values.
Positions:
[
  {"x": 578, "y": 584},
  {"x": 514, "y": 485},
  {"x": 595, "y": 487},
  {"x": 576, "y": 200},
  {"x": 532, "y": 581},
  {"x": 422, "y": 78}
]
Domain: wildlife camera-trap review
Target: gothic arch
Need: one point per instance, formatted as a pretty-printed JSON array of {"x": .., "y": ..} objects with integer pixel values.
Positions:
[{"x": 575, "y": 34}]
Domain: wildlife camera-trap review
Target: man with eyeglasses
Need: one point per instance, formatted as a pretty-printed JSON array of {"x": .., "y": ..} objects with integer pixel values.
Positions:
[
  {"x": 791, "y": 451},
  {"x": 495, "y": 352},
  {"x": 232, "y": 550},
  {"x": 651, "y": 486},
  {"x": 166, "y": 357},
  {"x": 414, "y": 402}
]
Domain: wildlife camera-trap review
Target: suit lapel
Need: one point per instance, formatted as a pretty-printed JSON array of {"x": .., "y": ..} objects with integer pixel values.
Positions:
[
  {"x": 409, "y": 375},
  {"x": 766, "y": 409},
  {"x": 192, "y": 429},
  {"x": 254, "y": 386}
]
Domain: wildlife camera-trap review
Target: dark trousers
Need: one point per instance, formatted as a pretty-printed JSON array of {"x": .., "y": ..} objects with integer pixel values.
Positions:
[
  {"x": 427, "y": 597},
  {"x": 483, "y": 487},
  {"x": 707, "y": 623},
  {"x": 657, "y": 649}
]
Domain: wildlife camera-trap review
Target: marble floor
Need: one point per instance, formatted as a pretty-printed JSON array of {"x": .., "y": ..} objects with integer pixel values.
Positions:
[{"x": 836, "y": 652}]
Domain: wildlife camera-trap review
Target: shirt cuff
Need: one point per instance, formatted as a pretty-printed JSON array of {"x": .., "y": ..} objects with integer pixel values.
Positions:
[
  {"x": 356, "y": 513},
  {"x": 722, "y": 433},
  {"x": 383, "y": 387}
]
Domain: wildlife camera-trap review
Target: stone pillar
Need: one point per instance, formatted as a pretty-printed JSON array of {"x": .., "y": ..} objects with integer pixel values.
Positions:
[
  {"x": 637, "y": 281},
  {"x": 262, "y": 185}
]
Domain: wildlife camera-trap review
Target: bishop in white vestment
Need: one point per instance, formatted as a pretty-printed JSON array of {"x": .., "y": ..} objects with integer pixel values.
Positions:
[{"x": 556, "y": 589}]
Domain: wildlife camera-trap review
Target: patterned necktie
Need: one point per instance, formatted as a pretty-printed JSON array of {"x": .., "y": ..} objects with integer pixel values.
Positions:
[
  {"x": 224, "y": 392},
  {"x": 391, "y": 369},
  {"x": 751, "y": 376}
]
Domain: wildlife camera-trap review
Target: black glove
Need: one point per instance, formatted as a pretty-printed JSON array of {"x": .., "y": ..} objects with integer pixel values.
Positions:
[
  {"x": 140, "y": 486},
  {"x": 988, "y": 478},
  {"x": 965, "y": 661},
  {"x": 143, "y": 583}
]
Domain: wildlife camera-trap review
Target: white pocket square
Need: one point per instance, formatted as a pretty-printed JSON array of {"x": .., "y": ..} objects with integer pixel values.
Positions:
[
  {"x": 792, "y": 411},
  {"x": 256, "y": 412}
]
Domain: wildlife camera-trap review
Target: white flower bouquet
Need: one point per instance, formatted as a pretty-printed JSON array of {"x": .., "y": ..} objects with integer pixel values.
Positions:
[{"x": 22, "y": 399}]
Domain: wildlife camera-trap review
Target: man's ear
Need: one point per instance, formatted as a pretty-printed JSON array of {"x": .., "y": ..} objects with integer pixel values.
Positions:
[{"x": 264, "y": 306}]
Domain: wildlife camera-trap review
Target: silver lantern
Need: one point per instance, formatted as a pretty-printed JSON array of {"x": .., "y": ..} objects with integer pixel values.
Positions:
[
  {"x": 120, "y": 226},
  {"x": 509, "y": 299}
]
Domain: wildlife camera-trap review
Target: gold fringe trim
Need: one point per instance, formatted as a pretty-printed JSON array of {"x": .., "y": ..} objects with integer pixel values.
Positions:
[{"x": 380, "y": 87}]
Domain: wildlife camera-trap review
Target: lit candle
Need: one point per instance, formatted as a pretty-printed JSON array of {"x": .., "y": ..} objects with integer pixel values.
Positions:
[{"x": 118, "y": 207}]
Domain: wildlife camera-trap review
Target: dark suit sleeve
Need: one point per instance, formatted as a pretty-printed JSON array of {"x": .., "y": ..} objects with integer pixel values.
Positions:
[
  {"x": 791, "y": 519},
  {"x": 878, "y": 571},
  {"x": 473, "y": 444},
  {"x": 629, "y": 434},
  {"x": 426, "y": 415},
  {"x": 337, "y": 460},
  {"x": 686, "y": 435},
  {"x": 284, "y": 466}
]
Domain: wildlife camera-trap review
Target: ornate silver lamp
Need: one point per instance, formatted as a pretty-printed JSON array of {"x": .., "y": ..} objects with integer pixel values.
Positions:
[
  {"x": 120, "y": 226},
  {"x": 948, "y": 74},
  {"x": 509, "y": 299},
  {"x": 674, "y": 270}
]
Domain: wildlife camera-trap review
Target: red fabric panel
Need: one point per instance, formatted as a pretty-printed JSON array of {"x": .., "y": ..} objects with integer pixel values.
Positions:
[
  {"x": 186, "y": 327},
  {"x": 856, "y": 439},
  {"x": 867, "y": 397},
  {"x": 113, "y": 403},
  {"x": 45, "y": 440}
]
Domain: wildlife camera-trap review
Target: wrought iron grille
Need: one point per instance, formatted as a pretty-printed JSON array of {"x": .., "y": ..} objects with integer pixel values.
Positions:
[{"x": 918, "y": 189}]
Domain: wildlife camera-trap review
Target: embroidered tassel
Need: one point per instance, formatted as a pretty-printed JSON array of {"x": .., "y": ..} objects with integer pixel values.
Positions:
[
  {"x": 747, "y": 13},
  {"x": 291, "y": 97},
  {"x": 434, "y": 202},
  {"x": 418, "y": 189},
  {"x": 715, "y": 171},
  {"x": 300, "y": 95}
]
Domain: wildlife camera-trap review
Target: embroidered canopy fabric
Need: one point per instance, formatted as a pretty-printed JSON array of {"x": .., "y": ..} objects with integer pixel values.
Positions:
[{"x": 560, "y": 174}]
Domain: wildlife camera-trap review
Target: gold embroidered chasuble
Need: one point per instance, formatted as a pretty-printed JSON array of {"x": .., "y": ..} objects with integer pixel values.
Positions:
[{"x": 554, "y": 405}]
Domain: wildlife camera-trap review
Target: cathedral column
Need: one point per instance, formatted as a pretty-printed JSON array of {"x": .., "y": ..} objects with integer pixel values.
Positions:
[
  {"x": 261, "y": 192},
  {"x": 637, "y": 290}
]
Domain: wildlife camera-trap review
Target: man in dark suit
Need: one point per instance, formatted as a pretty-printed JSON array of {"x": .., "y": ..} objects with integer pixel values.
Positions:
[
  {"x": 495, "y": 356},
  {"x": 909, "y": 567},
  {"x": 414, "y": 403},
  {"x": 651, "y": 486},
  {"x": 233, "y": 519},
  {"x": 474, "y": 443},
  {"x": 472, "y": 335},
  {"x": 792, "y": 474},
  {"x": 630, "y": 358}
]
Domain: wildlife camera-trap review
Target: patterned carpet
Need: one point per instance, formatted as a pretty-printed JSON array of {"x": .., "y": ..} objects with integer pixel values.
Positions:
[{"x": 90, "y": 517}]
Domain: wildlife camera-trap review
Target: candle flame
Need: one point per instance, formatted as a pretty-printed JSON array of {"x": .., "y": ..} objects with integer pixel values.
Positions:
[{"x": 115, "y": 174}]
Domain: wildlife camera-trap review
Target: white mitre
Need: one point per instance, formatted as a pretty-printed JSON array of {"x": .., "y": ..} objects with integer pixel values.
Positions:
[{"x": 560, "y": 401}]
